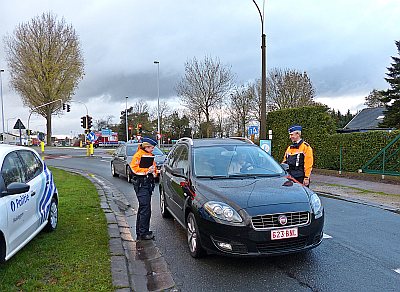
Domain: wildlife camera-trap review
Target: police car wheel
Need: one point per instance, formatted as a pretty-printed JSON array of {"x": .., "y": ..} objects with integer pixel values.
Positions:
[
  {"x": 52, "y": 219},
  {"x": 128, "y": 174},
  {"x": 2, "y": 249},
  {"x": 113, "y": 172}
]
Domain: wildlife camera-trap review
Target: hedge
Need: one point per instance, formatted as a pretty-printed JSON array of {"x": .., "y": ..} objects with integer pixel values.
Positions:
[{"x": 320, "y": 132}]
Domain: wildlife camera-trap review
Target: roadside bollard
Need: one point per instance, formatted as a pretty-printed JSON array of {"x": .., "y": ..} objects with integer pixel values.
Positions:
[
  {"x": 91, "y": 148},
  {"x": 42, "y": 146},
  {"x": 80, "y": 144},
  {"x": 87, "y": 150}
]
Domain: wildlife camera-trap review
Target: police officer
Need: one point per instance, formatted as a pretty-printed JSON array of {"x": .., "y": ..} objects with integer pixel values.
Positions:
[
  {"x": 143, "y": 183},
  {"x": 299, "y": 156}
]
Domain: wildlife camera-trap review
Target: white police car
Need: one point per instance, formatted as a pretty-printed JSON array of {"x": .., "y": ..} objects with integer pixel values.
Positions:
[{"x": 28, "y": 198}]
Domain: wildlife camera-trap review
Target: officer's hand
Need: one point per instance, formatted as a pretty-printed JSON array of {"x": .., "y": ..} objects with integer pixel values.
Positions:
[
  {"x": 151, "y": 169},
  {"x": 306, "y": 181}
]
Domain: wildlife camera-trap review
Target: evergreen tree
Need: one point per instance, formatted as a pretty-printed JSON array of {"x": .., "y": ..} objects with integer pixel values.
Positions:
[{"x": 392, "y": 115}]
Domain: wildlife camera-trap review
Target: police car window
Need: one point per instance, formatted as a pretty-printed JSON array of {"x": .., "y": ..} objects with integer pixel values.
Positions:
[
  {"x": 12, "y": 169},
  {"x": 33, "y": 164}
]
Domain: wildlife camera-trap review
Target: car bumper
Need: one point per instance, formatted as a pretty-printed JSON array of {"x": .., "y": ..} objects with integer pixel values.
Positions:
[{"x": 245, "y": 241}]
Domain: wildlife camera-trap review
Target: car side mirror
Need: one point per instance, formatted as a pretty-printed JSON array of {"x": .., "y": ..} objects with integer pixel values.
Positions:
[
  {"x": 16, "y": 188},
  {"x": 178, "y": 172},
  {"x": 285, "y": 166}
]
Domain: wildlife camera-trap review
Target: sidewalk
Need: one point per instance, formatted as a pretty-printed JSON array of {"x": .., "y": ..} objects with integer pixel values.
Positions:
[{"x": 378, "y": 194}]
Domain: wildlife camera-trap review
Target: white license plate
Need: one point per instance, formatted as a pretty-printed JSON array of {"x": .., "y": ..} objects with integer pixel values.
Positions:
[{"x": 284, "y": 233}]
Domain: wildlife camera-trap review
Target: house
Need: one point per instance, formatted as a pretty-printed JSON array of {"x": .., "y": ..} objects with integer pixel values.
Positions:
[{"x": 366, "y": 120}]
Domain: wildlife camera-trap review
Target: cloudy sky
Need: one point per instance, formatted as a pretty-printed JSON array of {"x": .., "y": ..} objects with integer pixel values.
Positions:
[{"x": 343, "y": 45}]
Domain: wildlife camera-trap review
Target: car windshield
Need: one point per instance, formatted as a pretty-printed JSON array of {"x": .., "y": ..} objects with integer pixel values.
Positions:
[
  {"x": 131, "y": 150},
  {"x": 234, "y": 161}
]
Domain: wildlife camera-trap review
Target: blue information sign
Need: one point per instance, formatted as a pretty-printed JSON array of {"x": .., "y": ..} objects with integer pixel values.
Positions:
[
  {"x": 253, "y": 130},
  {"x": 266, "y": 146}
]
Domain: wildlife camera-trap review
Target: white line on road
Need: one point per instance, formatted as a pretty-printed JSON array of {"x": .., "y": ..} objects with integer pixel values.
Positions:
[
  {"x": 105, "y": 160},
  {"x": 327, "y": 236},
  {"x": 397, "y": 270}
]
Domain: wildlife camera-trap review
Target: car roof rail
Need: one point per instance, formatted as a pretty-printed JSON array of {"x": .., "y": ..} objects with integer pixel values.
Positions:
[
  {"x": 242, "y": 139},
  {"x": 185, "y": 139}
]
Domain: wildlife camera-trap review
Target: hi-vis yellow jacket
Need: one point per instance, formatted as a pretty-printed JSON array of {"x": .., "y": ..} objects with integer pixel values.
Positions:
[
  {"x": 299, "y": 157},
  {"x": 136, "y": 160}
]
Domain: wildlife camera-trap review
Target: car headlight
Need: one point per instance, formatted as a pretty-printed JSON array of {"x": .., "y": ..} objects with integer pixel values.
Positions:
[
  {"x": 223, "y": 212},
  {"x": 316, "y": 205}
]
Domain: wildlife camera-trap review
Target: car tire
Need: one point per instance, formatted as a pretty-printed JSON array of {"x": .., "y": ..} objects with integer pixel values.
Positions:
[
  {"x": 2, "y": 249},
  {"x": 193, "y": 237},
  {"x": 52, "y": 218},
  {"x": 113, "y": 172},
  {"x": 128, "y": 174},
  {"x": 163, "y": 205}
]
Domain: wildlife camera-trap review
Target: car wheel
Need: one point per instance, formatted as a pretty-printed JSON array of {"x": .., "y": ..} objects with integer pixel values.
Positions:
[
  {"x": 52, "y": 219},
  {"x": 2, "y": 249},
  {"x": 193, "y": 237},
  {"x": 128, "y": 174},
  {"x": 163, "y": 205},
  {"x": 113, "y": 172}
]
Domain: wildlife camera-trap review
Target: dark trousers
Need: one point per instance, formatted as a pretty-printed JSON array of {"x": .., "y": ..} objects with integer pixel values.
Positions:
[
  {"x": 144, "y": 212},
  {"x": 300, "y": 180}
]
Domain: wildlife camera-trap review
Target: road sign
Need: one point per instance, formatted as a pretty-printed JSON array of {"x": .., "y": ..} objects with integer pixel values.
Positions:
[
  {"x": 253, "y": 130},
  {"x": 19, "y": 125},
  {"x": 266, "y": 146},
  {"x": 106, "y": 132},
  {"x": 91, "y": 137}
]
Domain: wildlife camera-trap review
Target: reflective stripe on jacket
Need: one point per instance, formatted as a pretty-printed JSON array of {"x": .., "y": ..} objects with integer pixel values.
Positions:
[{"x": 300, "y": 159}]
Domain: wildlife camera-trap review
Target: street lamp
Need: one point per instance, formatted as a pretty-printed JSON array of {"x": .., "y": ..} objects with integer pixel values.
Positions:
[
  {"x": 263, "y": 126},
  {"x": 158, "y": 103},
  {"x": 126, "y": 118},
  {"x": 1, "y": 95}
]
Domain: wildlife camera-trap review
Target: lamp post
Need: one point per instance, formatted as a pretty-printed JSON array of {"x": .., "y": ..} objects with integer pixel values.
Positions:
[
  {"x": 1, "y": 95},
  {"x": 263, "y": 118},
  {"x": 158, "y": 103},
  {"x": 126, "y": 119}
]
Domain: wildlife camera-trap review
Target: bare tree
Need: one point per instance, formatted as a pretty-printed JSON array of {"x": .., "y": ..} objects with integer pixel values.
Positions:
[
  {"x": 103, "y": 123},
  {"x": 140, "y": 107},
  {"x": 374, "y": 99},
  {"x": 46, "y": 64},
  {"x": 288, "y": 89},
  {"x": 241, "y": 104},
  {"x": 204, "y": 86}
]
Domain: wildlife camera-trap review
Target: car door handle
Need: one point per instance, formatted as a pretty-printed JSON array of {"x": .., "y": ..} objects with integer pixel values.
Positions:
[{"x": 33, "y": 193}]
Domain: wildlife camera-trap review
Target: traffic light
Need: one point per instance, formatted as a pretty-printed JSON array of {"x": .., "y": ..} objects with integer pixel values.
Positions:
[
  {"x": 140, "y": 130},
  {"x": 68, "y": 108},
  {"x": 89, "y": 122},
  {"x": 83, "y": 122},
  {"x": 64, "y": 105}
]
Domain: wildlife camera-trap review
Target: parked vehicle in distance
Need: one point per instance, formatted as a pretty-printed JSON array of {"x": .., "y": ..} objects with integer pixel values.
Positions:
[
  {"x": 233, "y": 198},
  {"x": 122, "y": 158},
  {"x": 28, "y": 198}
]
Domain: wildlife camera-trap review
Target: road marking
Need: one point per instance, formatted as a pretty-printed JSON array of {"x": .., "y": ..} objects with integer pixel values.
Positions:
[
  {"x": 326, "y": 236},
  {"x": 397, "y": 270},
  {"x": 105, "y": 160}
]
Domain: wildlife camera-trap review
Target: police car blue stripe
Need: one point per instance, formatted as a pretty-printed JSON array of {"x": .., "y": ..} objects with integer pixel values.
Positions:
[
  {"x": 45, "y": 200},
  {"x": 45, "y": 190}
]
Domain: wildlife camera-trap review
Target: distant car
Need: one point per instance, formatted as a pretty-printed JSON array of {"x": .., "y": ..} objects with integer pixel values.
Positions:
[
  {"x": 233, "y": 198},
  {"x": 28, "y": 198},
  {"x": 122, "y": 158}
]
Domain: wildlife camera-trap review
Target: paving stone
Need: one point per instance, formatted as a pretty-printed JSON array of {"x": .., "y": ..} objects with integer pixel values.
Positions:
[
  {"x": 116, "y": 247},
  {"x": 139, "y": 283},
  {"x": 160, "y": 282},
  {"x": 148, "y": 253},
  {"x": 127, "y": 237},
  {"x": 113, "y": 231},
  {"x": 119, "y": 272},
  {"x": 111, "y": 218}
]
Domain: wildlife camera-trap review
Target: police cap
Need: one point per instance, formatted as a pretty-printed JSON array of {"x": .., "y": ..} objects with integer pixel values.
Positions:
[{"x": 295, "y": 128}]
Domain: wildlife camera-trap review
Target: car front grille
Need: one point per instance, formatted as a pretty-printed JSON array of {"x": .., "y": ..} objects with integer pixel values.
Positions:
[
  {"x": 276, "y": 246},
  {"x": 271, "y": 220}
]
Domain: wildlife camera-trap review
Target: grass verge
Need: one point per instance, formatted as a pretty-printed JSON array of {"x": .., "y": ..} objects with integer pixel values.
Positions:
[{"x": 75, "y": 257}]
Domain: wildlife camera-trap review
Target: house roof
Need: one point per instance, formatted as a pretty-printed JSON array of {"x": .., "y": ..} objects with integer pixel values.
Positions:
[{"x": 368, "y": 118}]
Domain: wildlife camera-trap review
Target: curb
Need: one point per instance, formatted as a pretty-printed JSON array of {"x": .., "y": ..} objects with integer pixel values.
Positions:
[{"x": 338, "y": 197}]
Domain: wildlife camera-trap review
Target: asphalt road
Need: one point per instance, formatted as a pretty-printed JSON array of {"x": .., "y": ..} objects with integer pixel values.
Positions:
[{"x": 360, "y": 252}]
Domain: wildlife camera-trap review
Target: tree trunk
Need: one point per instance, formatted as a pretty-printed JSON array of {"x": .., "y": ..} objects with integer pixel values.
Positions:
[{"x": 48, "y": 125}]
